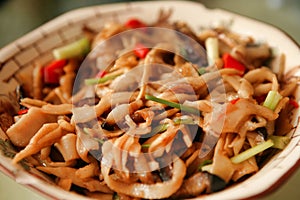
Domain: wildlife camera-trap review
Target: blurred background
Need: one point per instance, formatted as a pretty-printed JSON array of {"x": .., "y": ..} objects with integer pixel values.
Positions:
[{"x": 18, "y": 17}]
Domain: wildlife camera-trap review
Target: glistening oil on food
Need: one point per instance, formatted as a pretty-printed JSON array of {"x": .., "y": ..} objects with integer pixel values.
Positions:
[{"x": 152, "y": 111}]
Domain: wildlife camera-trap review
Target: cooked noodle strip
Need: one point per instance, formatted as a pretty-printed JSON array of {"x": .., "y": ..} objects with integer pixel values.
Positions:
[
  {"x": 67, "y": 147},
  {"x": 28, "y": 102},
  {"x": 148, "y": 191},
  {"x": 46, "y": 136},
  {"x": 61, "y": 109},
  {"x": 70, "y": 173}
]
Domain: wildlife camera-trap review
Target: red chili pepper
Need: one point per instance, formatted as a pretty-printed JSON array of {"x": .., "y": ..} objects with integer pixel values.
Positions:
[
  {"x": 101, "y": 74},
  {"x": 22, "y": 112},
  {"x": 140, "y": 50},
  {"x": 294, "y": 103},
  {"x": 134, "y": 23},
  {"x": 53, "y": 71},
  {"x": 234, "y": 100},
  {"x": 230, "y": 62}
]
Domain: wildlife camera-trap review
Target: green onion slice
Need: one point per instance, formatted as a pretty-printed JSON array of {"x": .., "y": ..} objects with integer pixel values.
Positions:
[
  {"x": 172, "y": 104},
  {"x": 272, "y": 99},
  {"x": 201, "y": 70},
  {"x": 252, "y": 151},
  {"x": 94, "y": 81},
  {"x": 160, "y": 128}
]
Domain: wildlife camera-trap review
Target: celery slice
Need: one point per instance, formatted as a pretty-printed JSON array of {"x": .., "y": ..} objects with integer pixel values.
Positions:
[
  {"x": 201, "y": 70},
  {"x": 78, "y": 48},
  {"x": 280, "y": 142},
  {"x": 93, "y": 81},
  {"x": 252, "y": 151},
  {"x": 272, "y": 100},
  {"x": 172, "y": 104},
  {"x": 212, "y": 50},
  {"x": 206, "y": 168}
]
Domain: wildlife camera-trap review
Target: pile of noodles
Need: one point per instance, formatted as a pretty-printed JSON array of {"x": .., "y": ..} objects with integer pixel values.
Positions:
[{"x": 133, "y": 147}]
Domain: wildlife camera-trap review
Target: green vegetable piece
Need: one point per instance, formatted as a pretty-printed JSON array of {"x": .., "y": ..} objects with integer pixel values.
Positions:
[
  {"x": 272, "y": 100},
  {"x": 206, "y": 168},
  {"x": 183, "y": 121},
  {"x": 172, "y": 104},
  {"x": 280, "y": 142},
  {"x": 252, "y": 151},
  {"x": 94, "y": 81},
  {"x": 78, "y": 48},
  {"x": 212, "y": 50},
  {"x": 201, "y": 70},
  {"x": 204, "y": 163},
  {"x": 159, "y": 128}
]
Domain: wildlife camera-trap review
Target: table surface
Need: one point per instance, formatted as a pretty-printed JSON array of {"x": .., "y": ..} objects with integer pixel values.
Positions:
[{"x": 18, "y": 17}]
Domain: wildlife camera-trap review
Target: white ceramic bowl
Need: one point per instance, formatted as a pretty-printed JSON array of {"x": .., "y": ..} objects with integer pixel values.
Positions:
[{"x": 37, "y": 45}]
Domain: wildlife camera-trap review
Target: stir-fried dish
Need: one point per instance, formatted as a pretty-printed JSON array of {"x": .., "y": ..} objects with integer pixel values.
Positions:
[{"x": 157, "y": 121}]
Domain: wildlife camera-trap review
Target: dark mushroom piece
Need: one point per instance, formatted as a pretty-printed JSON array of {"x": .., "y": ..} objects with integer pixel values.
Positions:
[{"x": 199, "y": 183}]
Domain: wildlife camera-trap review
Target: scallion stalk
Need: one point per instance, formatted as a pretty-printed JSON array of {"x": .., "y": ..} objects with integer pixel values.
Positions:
[
  {"x": 212, "y": 50},
  {"x": 93, "y": 81},
  {"x": 272, "y": 99},
  {"x": 172, "y": 104},
  {"x": 201, "y": 70},
  {"x": 206, "y": 168},
  {"x": 78, "y": 48},
  {"x": 252, "y": 151},
  {"x": 159, "y": 128},
  {"x": 205, "y": 163},
  {"x": 146, "y": 145},
  {"x": 183, "y": 121}
]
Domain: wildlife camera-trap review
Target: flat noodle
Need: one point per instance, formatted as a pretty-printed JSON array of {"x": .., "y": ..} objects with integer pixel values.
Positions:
[
  {"x": 67, "y": 147},
  {"x": 88, "y": 171},
  {"x": 151, "y": 191},
  {"x": 60, "y": 95},
  {"x": 65, "y": 183},
  {"x": 28, "y": 102},
  {"x": 70, "y": 173},
  {"x": 20, "y": 134},
  {"x": 158, "y": 146},
  {"x": 65, "y": 125},
  {"x": 46, "y": 136},
  {"x": 222, "y": 166},
  {"x": 260, "y": 75},
  {"x": 61, "y": 109}
]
